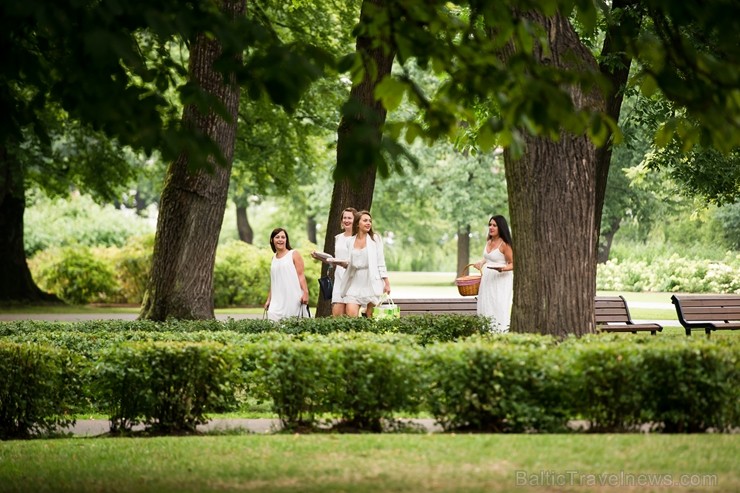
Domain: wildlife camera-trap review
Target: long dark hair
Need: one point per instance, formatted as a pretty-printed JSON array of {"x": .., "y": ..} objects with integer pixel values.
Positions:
[
  {"x": 274, "y": 234},
  {"x": 356, "y": 224},
  {"x": 503, "y": 228}
]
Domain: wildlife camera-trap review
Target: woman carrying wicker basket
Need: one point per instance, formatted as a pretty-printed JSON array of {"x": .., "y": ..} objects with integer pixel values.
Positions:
[{"x": 497, "y": 282}]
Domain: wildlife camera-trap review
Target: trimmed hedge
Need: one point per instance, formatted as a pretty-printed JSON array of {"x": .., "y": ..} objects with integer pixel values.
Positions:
[
  {"x": 170, "y": 377},
  {"x": 39, "y": 389}
]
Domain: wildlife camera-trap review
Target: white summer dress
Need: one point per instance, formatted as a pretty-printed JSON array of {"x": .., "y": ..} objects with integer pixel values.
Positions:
[
  {"x": 360, "y": 290},
  {"x": 285, "y": 300},
  {"x": 341, "y": 252},
  {"x": 496, "y": 291}
]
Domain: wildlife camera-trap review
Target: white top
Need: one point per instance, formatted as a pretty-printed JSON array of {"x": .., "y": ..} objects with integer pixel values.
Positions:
[{"x": 375, "y": 265}]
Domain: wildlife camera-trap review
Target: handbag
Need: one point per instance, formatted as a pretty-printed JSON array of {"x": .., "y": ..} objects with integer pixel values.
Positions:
[
  {"x": 387, "y": 309},
  {"x": 326, "y": 285},
  {"x": 306, "y": 314}
]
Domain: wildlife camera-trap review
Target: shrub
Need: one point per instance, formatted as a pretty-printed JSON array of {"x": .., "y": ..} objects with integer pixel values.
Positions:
[
  {"x": 169, "y": 386},
  {"x": 133, "y": 263},
  {"x": 76, "y": 276},
  {"x": 495, "y": 388},
  {"x": 38, "y": 391}
]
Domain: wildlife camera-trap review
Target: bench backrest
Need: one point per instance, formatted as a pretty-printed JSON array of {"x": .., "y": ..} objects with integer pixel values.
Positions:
[
  {"x": 611, "y": 309},
  {"x": 710, "y": 307},
  {"x": 438, "y": 306}
]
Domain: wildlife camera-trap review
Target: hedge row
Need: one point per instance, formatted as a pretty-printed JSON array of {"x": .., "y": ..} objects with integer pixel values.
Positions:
[{"x": 514, "y": 383}]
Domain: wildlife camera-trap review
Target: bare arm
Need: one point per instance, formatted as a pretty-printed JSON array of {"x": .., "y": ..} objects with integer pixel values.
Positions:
[{"x": 299, "y": 267}]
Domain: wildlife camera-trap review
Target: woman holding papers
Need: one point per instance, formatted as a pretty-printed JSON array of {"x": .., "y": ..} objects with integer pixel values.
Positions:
[
  {"x": 496, "y": 287},
  {"x": 341, "y": 252}
]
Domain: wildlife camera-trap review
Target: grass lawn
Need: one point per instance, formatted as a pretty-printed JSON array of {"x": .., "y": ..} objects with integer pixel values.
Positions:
[{"x": 373, "y": 463}]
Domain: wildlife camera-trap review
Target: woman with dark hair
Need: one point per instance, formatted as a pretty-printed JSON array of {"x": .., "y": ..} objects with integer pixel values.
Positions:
[
  {"x": 340, "y": 253},
  {"x": 497, "y": 283},
  {"x": 288, "y": 295},
  {"x": 366, "y": 279}
]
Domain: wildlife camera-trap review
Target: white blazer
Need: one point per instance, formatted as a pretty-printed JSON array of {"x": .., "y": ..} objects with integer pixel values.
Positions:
[{"x": 376, "y": 264}]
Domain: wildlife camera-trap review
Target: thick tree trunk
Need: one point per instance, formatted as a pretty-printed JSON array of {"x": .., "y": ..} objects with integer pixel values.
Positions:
[
  {"x": 463, "y": 248},
  {"x": 193, "y": 202},
  {"x": 16, "y": 283},
  {"x": 552, "y": 202},
  {"x": 246, "y": 233},
  {"x": 368, "y": 117}
]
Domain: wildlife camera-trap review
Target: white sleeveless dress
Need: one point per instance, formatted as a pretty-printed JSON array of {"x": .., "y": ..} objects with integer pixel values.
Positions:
[
  {"x": 285, "y": 289},
  {"x": 360, "y": 290},
  {"x": 341, "y": 252},
  {"x": 496, "y": 292}
]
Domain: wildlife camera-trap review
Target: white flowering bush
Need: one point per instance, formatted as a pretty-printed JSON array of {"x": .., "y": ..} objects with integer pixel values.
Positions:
[{"x": 672, "y": 274}]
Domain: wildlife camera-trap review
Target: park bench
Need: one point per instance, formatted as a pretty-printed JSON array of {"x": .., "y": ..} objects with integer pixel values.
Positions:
[
  {"x": 612, "y": 315},
  {"x": 437, "y": 306},
  {"x": 707, "y": 311}
]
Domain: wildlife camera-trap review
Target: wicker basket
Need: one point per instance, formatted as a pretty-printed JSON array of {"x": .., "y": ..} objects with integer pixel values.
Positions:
[{"x": 468, "y": 285}]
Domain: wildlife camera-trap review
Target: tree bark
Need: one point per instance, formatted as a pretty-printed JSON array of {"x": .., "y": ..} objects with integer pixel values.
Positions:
[
  {"x": 246, "y": 233},
  {"x": 368, "y": 115},
  {"x": 463, "y": 248},
  {"x": 193, "y": 201},
  {"x": 16, "y": 282},
  {"x": 551, "y": 192}
]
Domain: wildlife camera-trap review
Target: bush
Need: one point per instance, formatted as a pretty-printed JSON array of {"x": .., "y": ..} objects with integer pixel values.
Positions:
[
  {"x": 76, "y": 276},
  {"x": 133, "y": 263},
  {"x": 495, "y": 388},
  {"x": 39, "y": 389},
  {"x": 169, "y": 386}
]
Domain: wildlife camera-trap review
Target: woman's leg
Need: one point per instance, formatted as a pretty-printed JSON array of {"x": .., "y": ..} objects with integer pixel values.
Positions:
[
  {"x": 352, "y": 309},
  {"x": 338, "y": 309},
  {"x": 369, "y": 310}
]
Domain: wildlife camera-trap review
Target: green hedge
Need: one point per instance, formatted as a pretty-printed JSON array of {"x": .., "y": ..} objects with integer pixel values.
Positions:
[
  {"x": 39, "y": 390},
  {"x": 363, "y": 380}
]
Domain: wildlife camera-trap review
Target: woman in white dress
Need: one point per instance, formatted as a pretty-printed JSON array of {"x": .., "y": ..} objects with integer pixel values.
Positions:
[
  {"x": 340, "y": 253},
  {"x": 497, "y": 283},
  {"x": 288, "y": 295},
  {"x": 366, "y": 278}
]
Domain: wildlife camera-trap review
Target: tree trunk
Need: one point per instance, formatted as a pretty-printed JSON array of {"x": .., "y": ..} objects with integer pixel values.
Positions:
[
  {"x": 463, "y": 248},
  {"x": 552, "y": 202},
  {"x": 246, "y": 234},
  {"x": 16, "y": 283},
  {"x": 606, "y": 239},
  {"x": 615, "y": 66},
  {"x": 311, "y": 229},
  {"x": 366, "y": 121},
  {"x": 193, "y": 201}
]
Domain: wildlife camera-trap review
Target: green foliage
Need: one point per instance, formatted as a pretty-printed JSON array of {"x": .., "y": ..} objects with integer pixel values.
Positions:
[
  {"x": 39, "y": 389},
  {"x": 672, "y": 274},
  {"x": 132, "y": 264},
  {"x": 495, "y": 387},
  {"x": 167, "y": 386},
  {"x": 78, "y": 220},
  {"x": 76, "y": 275},
  {"x": 241, "y": 275},
  {"x": 729, "y": 217}
]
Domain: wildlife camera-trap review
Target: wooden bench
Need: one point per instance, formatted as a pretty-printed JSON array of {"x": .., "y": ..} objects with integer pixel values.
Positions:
[
  {"x": 438, "y": 306},
  {"x": 707, "y": 311},
  {"x": 612, "y": 315}
]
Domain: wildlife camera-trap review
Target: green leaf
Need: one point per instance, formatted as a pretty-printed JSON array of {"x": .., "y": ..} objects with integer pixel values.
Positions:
[{"x": 390, "y": 92}]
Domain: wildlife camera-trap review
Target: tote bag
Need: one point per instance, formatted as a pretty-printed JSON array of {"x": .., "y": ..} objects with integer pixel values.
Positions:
[{"x": 387, "y": 309}]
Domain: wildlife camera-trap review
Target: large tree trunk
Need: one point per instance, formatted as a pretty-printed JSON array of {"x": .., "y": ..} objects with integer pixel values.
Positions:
[
  {"x": 311, "y": 229},
  {"x": 16, "y": 283},
  {"x": 365, "y": 122},
  {"x": 246, "y": 233},
  {"x": 463, "y": 248},
  {"x": 193, "y": 202},
  {"x": 552, "y": 202}
]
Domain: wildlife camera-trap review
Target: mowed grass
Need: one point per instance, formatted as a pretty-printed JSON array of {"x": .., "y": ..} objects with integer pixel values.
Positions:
[{"x": 373, "y": 463}]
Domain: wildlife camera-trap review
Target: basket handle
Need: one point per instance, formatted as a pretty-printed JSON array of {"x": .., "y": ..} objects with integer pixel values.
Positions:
[{"x": 469, "y": 265}]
